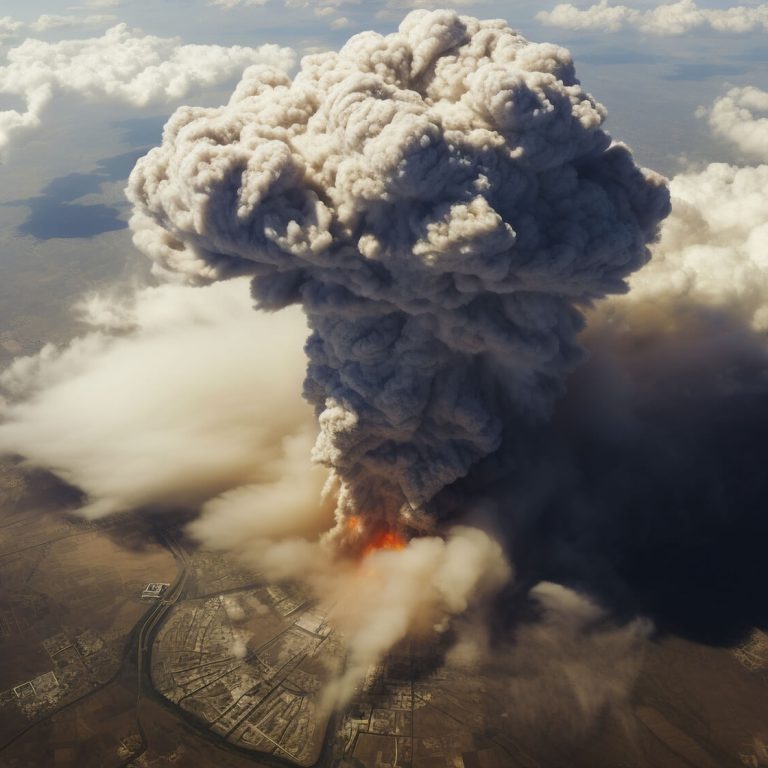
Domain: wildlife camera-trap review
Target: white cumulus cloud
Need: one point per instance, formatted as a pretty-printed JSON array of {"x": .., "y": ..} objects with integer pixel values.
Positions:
[
  {"x": 741, "y": 117},
  {"x": 123, "y": 65},
  {"x": 713, "y": 250}
]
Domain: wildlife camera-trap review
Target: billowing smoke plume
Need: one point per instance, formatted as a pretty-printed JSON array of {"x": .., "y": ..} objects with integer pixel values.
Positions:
[{"x": 441, "y": 201}]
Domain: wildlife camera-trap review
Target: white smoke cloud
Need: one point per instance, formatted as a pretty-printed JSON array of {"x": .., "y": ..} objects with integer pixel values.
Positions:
[
  {"x": 290, "y": 500},
  {"x": 122, "y": 65},
  {"x": 168, "y": 402},
  {"x": 669, "y": 19},
  {"x": 439, "y": 200},
  {"x": 737, "y": 118},
  {"x": 417, "y": 589}
]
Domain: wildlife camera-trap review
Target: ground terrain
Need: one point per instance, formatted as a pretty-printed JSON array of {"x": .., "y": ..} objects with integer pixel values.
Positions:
[{"x": 227, "y": 669}]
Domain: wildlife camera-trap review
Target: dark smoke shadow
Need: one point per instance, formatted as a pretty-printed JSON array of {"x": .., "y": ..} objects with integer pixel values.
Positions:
[
  {"x": 649, "y": 487},
  {"x": 39, "y": 493},
  {"x": 56, "y": 214},
  {"x": 27, "y": 490},
  {"x": 144, "y": 528}
]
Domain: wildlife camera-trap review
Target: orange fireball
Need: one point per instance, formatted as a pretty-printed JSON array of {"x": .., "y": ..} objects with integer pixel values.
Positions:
[{"x": 385, "y": 540}]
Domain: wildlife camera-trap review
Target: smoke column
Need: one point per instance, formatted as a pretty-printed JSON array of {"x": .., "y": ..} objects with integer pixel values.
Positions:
[{"x": 442, "y": 202}]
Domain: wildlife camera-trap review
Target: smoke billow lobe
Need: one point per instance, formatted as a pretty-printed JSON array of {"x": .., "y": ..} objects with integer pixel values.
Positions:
[{"x": 442, "y": 202}]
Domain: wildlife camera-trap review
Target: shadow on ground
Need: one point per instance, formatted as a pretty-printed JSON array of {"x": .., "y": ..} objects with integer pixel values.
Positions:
[{"x": 56, "y": 212}]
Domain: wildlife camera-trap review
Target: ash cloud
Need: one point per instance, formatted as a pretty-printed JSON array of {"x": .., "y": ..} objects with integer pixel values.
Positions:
[{"x": 442, "y": 202}]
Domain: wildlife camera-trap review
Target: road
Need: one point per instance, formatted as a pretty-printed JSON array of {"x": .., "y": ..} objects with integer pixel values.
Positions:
[{"x": 151, "y": 623}]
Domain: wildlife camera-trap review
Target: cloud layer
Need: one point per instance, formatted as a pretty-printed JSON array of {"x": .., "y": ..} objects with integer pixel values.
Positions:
[
  {"x": 675, "y": 18},
  {"x": 123, "y": 65},
  {"x": 229, "y": 4}
]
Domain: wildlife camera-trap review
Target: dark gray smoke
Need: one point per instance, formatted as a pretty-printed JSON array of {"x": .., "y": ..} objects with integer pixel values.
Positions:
[{"x": 441, "y": 201}]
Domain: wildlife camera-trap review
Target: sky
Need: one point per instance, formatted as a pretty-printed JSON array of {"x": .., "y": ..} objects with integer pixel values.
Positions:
[
  {"x": 84, "y": 93},
  {"x": 652, "y": 85}
]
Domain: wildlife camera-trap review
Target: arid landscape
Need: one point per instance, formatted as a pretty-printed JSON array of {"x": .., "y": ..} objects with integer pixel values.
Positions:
[{"x": 232, "y": 666}]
